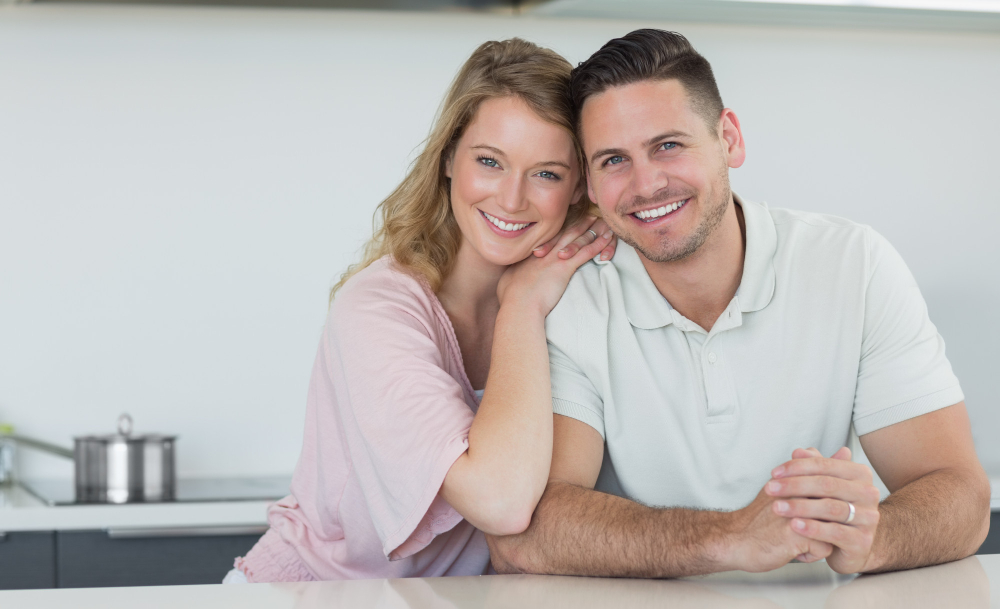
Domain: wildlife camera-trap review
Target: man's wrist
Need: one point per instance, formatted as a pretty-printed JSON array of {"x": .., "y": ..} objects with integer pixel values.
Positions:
[{"x": 722, "y": 545}]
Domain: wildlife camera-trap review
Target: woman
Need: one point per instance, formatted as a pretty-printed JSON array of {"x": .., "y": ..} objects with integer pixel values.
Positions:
[{"x": 407, "y": 460}]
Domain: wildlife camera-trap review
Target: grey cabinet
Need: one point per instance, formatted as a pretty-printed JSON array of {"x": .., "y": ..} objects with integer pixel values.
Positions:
[
  {"x": 88, "y": 559},
  {"x": 992, "y": 543},
  {"x": 27, "y": 560}
]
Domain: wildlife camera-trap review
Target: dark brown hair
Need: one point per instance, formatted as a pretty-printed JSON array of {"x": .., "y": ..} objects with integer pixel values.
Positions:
[{"x": 648, "y": 55}]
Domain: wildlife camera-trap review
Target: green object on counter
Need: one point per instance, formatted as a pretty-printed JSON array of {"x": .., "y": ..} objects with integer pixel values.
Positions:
[{"x": 6, "y": 429}]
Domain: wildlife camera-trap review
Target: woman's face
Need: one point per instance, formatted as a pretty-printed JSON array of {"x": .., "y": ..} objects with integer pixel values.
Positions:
[{"x": 513, "y": 177}]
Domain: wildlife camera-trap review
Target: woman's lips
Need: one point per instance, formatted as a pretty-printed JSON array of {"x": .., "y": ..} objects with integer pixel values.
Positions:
[{"x": 501, "y": 227}]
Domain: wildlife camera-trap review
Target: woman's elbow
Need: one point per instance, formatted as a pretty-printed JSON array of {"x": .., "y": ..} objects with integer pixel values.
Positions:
[{"x": 507, "y": 518}]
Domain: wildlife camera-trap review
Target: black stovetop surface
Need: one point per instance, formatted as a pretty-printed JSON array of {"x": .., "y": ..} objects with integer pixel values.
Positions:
[{"x": 61, "y": 491}]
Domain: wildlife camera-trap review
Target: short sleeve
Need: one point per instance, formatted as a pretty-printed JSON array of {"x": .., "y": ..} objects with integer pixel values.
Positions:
[
  {"x": 404, "y": 415},
  {"x": 573, "y": 394},
  {"x": 903, "y": 372}
]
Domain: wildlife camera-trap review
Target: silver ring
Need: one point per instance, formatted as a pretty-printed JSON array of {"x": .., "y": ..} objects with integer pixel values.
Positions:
[
  {"x": 850, "y": 516},
  {"x": 592, "y": 233}
]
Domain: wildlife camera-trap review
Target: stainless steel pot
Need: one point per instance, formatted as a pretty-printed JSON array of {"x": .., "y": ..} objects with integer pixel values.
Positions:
[{"x": 123, "y": 468}]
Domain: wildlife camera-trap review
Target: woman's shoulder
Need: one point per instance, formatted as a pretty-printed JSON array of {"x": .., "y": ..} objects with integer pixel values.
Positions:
[{"x": 384, "y": 285}]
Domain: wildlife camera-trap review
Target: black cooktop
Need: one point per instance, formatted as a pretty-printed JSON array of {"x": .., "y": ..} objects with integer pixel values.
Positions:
[{"x": 61, "y": 491}]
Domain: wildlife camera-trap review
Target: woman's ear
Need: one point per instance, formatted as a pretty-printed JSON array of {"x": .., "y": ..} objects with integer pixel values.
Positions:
[{"x": 449, "y": 160}]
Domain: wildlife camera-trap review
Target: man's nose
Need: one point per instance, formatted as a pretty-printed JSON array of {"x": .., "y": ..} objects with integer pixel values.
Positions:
[
  {"x": 512, "y": 197},
  {"x": 648, "y": 179}
]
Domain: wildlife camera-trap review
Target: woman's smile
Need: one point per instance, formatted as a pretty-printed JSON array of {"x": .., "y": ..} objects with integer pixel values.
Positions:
[{"x": 508, "y": 228}]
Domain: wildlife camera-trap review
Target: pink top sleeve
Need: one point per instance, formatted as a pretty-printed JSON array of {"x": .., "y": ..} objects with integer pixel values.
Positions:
[{"x": 404, "y": 414}]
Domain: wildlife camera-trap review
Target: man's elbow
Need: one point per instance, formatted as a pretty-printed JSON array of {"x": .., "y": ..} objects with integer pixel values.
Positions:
[
  {"x": 504, "y": 554},
  {"x": 982, "y": 492}
]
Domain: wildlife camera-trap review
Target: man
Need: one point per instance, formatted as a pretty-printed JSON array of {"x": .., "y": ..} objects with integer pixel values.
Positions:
[{"x": 728, "y": 336}]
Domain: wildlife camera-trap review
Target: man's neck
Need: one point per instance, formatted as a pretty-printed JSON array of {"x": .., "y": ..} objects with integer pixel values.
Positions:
[{"x": 702, "y": 285}]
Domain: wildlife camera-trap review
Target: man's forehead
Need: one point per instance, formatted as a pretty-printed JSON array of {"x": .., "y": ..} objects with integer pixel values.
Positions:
[{"x": 618, "y": 111}]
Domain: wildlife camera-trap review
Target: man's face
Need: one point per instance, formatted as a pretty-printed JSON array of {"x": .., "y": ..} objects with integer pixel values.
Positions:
[{"x": 657, "y": 170}]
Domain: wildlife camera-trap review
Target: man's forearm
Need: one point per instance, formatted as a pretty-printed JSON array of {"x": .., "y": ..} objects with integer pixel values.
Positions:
[
  {"x": 940, "y": 517},
  {"x": 576, "y": 531}
]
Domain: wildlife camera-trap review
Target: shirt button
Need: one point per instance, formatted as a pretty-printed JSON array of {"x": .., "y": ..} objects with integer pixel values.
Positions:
[{"x": 712, "y": 358}]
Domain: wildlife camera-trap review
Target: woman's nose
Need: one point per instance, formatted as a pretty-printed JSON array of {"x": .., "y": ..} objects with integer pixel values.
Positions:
[{"x": 512, "y": 196}]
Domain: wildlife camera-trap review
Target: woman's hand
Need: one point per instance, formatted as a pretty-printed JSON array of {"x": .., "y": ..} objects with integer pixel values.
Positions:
[{"x": 540, "y": 280}]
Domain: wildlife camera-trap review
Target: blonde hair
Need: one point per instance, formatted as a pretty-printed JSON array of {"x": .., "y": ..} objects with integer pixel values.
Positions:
[{"x": 418, "y": 229}]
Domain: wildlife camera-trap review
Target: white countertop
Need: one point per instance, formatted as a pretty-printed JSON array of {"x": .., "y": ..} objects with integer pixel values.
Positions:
[
  {"x": 21, "y": 511},
  {"x": 965, "y": 584}
]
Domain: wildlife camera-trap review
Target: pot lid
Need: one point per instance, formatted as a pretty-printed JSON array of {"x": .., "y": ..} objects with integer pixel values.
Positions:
[{"x": 124, "y": 434}]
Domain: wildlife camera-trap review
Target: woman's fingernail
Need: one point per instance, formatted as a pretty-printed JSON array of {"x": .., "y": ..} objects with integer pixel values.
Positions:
[
  {"x": 605, "y": 255},
  {"x": 563, "y": 250},
  {"x": 799, "y": 525},
  {"x": 776, "y": 472},
  {"x": 607, "y": 234},
  {"x": 782, "y": 506},
  {"x": 773, "y": 486}
]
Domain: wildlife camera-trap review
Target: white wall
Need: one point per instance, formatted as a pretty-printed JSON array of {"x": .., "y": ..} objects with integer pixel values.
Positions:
[{"x": 179, "y": 187}]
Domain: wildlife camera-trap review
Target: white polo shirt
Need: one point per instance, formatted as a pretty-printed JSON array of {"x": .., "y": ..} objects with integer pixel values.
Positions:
[{"x": 827, "y": 328}]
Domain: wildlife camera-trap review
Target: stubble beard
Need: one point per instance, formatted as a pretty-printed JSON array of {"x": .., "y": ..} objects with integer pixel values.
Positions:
[{"x": 669, "y": 250}]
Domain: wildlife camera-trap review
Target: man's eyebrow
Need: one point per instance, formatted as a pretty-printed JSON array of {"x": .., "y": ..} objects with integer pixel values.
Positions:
[
  {"x": 499, "y": 152},
  {"x": 605, "y": 152},
  {"x": 669, "y": 135}
]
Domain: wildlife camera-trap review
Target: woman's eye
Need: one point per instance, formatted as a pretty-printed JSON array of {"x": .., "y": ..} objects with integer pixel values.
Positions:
[
  {"x": 488, "y": 161},
  {"x": 614, "y": 160},
  {"x": 548, "y": 175}
]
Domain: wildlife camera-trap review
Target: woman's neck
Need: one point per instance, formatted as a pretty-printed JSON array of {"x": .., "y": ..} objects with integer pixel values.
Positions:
[
  {"x": 469, "y": 296},
  {"x": 470, "y": 290}
]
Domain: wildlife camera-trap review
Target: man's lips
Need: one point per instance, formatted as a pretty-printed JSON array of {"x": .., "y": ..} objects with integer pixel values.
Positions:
[{"x": 653, "y": 214}]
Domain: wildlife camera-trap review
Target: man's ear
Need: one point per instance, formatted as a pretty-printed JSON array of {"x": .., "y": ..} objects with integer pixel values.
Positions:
[
  {"x": 590, "y": 189},
  {"x": 731, "y": 138}
]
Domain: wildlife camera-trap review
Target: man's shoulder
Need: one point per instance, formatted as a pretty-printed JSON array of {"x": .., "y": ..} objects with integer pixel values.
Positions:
[
  {"x": 795, "y": 219},
  {"x": 585, "y": 298},
  {"x": 825, "y": 235}
]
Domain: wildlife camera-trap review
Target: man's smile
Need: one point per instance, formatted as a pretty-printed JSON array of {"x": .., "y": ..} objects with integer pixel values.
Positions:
[{"x": 655, "y": 213}]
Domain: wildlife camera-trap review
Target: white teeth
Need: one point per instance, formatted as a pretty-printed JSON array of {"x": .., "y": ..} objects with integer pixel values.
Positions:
[
  {"x": 504, "y": 225},
  {"x": 648, "y": 214}
]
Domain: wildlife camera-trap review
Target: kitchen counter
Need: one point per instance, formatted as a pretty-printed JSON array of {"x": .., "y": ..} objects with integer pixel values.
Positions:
[
  {"x": 965, "y": 584},
  {"x": 22, "y": 511}
]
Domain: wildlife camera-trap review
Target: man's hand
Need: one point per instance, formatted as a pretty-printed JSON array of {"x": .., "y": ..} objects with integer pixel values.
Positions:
[
  {"x": 765, "y": 540},
  {"x": 814, "y": 493}
]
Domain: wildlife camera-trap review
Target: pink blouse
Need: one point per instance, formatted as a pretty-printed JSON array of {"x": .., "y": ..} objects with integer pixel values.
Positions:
[{"x": 388, "y": 413}]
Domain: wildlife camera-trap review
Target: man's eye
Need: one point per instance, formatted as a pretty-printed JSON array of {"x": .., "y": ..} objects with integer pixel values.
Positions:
[
  {"x": 614, "y": 160},
  {"x": 668, "y": 145},
  {"x": 488, "y": 161}
]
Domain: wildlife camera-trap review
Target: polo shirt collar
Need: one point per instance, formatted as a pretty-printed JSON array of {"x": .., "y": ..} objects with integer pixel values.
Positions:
[
  {"x": 757, "y": 285},
  {"x": 647, "y": 309}
]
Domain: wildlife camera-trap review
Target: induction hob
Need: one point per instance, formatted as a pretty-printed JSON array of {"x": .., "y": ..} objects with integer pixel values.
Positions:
[{"x": 57, "y": 492}]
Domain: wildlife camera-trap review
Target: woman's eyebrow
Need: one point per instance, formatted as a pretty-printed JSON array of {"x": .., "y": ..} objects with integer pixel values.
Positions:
[
  {"x": 499, "y": 152},
  {"x": 492, "y": 149}
]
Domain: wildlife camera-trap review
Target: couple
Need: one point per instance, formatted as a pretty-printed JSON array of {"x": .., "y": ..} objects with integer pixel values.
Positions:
[{"x": 722, "y": 338}]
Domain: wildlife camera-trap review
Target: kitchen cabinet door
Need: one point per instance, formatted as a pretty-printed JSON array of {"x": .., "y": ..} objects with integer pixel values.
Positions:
[
  {"x": 27, "y": 560},
  {"x": 88, "y": 559},
  {"x": 992, "y": 543}
]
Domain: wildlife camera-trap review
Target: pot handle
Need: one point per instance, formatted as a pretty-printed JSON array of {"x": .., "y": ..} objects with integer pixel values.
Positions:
[{"x": 125, "y": 424}]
